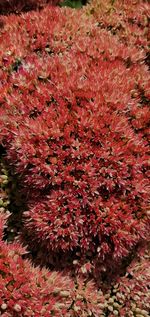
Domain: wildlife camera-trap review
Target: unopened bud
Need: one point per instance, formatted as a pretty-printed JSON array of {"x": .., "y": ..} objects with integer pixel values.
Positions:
[
  {"x": 3, "y": 306},
  {"x": 17, "y": 308}
]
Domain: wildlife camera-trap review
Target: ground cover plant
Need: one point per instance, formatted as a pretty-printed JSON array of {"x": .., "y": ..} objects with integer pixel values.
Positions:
[{"x": 74, "y": 133}]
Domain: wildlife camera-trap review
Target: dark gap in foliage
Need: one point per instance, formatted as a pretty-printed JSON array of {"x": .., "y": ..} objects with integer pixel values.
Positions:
[
  {"x": 34, "y": 113},
  {"x": 128, "y": 62},
  {"x": 15, "y": 66},
  {"x": 144, "y": 100},
  {"x": 77, "y": 174},
  {"x": 104, "y": 192},
  {"x": 2, "y": 150},
  {"x": 38, "y": 51},
  {"x": 147, "y": 59},
  {"x": 17, "y": 204}
]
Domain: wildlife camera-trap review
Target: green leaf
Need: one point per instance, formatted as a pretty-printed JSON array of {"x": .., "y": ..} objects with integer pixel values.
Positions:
[{"x": 75, "y": 4}]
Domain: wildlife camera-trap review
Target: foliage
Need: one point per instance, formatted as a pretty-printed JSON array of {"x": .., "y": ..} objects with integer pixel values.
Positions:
[
  {"x": 72, "y": 4},
  {"x": 128, "y": 20},
  {"x": 88, "y": 171},
  {"x": 29, "y": 291},
  {"x": 74, "y": 124}
]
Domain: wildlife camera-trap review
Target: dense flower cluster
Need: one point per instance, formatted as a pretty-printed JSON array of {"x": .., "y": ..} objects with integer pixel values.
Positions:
[
  {"x": 74, "y": 124},
  {"x": 28, "y": 291},
  {"x": 128, "y": 20},
  {"x": 130, "y": 296},
  {"x": 71, "y": 133}
]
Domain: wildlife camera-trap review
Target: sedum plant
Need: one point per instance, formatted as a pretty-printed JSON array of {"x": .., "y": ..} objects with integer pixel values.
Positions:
[
  {"x": 31, "y": 291},
  {"x": 74, "y": 140},
  {"x": 74, "y": 129}
]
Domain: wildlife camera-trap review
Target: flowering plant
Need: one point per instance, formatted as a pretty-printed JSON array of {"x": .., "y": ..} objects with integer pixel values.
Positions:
[{"x": 74, "y": 116}]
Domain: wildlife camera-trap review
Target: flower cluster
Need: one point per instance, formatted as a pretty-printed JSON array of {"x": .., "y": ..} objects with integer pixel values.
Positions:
[
  {"x": 73, "y": 138},
  {"x": 130, "y": 295},
  {"x": 72, "y": 134},
  {"x": 29, "y": 291},
  {"x": 74, "y": 116},
  {"x": 128, "y": 20}
]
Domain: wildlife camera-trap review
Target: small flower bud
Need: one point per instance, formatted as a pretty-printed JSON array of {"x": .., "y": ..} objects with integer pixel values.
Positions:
[
  {"x": 3, "y": 306},
  {"x": 110, "y": 308},
  {"x": 17, "y": 308},
  {"x": 64, "y": 293}
]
